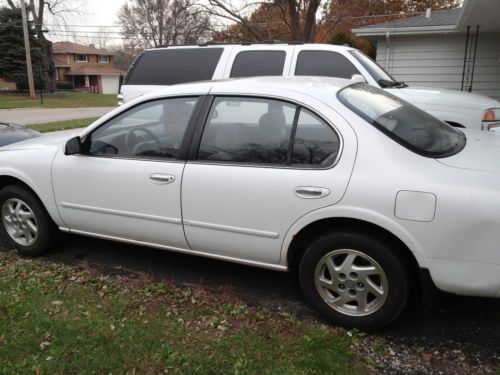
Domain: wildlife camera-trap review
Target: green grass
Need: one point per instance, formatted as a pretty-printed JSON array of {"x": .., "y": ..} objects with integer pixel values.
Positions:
[
  {"x": 59, "y": 100},
  {"x": 62, "y": 125},
  {"x": 56, "y": 319}
]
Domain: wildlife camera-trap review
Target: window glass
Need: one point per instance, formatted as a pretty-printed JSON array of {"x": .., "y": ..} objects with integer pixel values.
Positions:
[
  {"x": 81, "y": 58},
  {"x": 103, "y": 58},
  {"x": 247, "y": 130},
  {"x": 258, "y": 63},
  {"x": 173, "y": 66},
  {"x": 316, "y": 144},
  {"x": 403, "y": 122},
  {"x": 324, "y": 63},
  {"x": 150, "y": 130},
  {"x": 376, "y": 71}
]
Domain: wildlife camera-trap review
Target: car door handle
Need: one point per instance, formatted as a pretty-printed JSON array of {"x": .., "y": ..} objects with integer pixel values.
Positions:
[
  {"x": 311, "y": 192},
  {"x": 160, "y": 178}
]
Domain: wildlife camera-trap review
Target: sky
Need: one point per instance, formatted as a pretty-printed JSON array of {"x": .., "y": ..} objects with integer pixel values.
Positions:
[{"x": 87, "y": 22}]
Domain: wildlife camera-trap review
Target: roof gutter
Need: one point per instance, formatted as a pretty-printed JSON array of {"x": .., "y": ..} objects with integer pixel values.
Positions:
[{"x": 406, "y": 30}]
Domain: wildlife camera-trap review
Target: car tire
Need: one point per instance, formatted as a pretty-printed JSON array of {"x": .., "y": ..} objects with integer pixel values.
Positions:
[
  {"x": 26, "y": 225},
  {"x": 354, "y": 280}
]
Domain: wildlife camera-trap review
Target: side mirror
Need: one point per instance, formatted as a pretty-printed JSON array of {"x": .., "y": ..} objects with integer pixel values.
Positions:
[
  {"x": 358, "y": 78},
  {"x": 73, "y": 146}
]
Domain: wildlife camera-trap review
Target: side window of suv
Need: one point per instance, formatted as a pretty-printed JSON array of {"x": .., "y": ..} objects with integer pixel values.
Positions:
[
  {"x": 324, "y": 63},
  {"x": 267, "y": 132},
  {"x": 258, "y": 63},
  {"x": 152, "y": 130}
]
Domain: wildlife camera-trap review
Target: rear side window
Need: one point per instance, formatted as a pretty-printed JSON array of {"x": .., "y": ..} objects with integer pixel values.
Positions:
[
  {"x": 260, "y": 131},
  {"x": 324, "y": 63},
  {"x": 258, "y": 63},
  {"x": 173, "y": 66}
]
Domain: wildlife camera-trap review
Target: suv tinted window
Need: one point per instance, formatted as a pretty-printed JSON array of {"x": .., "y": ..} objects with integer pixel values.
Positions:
[
  {"x": 172, "y": 66},
  {"x": 260, "y": 131},
  {"x": 151, "y": 130},
  {"x": 258, "y": 63},
  {"x": 324, "y": 63}
]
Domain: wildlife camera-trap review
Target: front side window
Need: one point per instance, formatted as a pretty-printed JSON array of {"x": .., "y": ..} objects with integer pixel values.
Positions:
[
  {"x": 152, "y": 130},
  {"x": 80, "y": 57},
  {"x": 258, "y": 63},
  {"x": 408, "y": 125},
  {"x": 324, "y": 63},
  {"x": 266, "y": 132},
  {"x": 375, "y": 70}
]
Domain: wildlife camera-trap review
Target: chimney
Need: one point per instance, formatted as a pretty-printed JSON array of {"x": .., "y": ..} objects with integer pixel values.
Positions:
[
  {"x": 92, "y": 45},
  {"x": 428, "y": 13}
]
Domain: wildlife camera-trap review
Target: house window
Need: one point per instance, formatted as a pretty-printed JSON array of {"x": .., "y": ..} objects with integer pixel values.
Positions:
[
  {"x": 103, "y": 59},
  {"x": 81, "y": 57}
]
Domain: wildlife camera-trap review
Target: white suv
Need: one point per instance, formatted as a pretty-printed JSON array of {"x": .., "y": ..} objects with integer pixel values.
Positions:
[{"x": 155, "y": 68}]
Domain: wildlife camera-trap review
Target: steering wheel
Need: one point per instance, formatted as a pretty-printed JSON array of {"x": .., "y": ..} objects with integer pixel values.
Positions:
[{"x": 131, "y": 137}]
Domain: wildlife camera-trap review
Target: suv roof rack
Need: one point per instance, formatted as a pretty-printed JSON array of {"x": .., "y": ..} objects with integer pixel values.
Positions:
[{"x": 217, "y": 43}]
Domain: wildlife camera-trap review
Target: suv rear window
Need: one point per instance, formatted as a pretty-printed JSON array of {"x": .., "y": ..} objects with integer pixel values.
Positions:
[
  {"x": 172, "y": 66},
  {"x": 324, "y": 63},
  {"x": 258, "y": 63}
]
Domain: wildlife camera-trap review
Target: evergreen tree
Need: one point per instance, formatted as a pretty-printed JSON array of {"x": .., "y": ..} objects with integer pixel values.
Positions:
[{"x": 12, "y": 52}]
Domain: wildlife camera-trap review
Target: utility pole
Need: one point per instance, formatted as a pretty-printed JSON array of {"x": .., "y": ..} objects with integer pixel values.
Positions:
[{"x": 28, "y": 51}]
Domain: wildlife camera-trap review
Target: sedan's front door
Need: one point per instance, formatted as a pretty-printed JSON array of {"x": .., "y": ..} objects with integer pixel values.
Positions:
[
  {"x": 127, "y": 182},
  {"x": 262, "y": 164}
]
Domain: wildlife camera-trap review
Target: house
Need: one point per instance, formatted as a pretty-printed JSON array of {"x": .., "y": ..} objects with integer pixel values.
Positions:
[
  {"x": 454, "y": 49},
  {"x": 85, "y": 67}
]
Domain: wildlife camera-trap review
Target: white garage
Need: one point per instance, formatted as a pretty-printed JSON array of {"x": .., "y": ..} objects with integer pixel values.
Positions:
[{"x": 110, "y": 84}]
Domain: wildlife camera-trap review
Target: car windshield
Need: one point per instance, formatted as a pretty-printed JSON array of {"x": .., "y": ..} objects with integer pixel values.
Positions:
[
  {"x": 403, "y": 122},
  {"x": 375, "y": 70}
]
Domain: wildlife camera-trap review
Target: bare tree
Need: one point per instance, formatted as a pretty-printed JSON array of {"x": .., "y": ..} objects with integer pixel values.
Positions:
[
  {"x": 299, "y": 16},
  {"x": 153, "y": 23}
]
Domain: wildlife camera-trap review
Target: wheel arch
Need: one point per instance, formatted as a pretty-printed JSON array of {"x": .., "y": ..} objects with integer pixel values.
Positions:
[
  {"x": 304, "y": 236},
  {"x": 13, "y": 179}
]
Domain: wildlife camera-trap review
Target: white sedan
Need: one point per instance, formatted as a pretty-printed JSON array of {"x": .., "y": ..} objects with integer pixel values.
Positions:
[{"x": 368, "y": 197}]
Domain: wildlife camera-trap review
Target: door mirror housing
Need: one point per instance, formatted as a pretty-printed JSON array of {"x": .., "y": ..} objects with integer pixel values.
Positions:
[
  {"x": 358, "y": 78},
  {"x": 73, "y": 146}
]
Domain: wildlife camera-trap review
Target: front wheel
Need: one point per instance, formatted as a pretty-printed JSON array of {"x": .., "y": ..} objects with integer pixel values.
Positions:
[
  {"x": 25, "y": 223},
  {"x": 354, "y": 280}
]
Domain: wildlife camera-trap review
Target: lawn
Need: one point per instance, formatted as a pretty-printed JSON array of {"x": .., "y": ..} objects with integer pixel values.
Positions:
[
  {"x": 68, "y": 99},
  {"x": 62, "y": 125},
  {"x": 57, "y": 319}
]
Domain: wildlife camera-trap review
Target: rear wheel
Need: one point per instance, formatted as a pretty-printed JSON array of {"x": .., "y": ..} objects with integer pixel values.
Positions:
[
  {"x": 354, "y": 280},
  {"x": 25, "y": 223}
]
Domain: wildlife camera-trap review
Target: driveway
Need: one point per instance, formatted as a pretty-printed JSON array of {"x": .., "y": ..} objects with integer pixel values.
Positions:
[{"x": 26, "y": 116}]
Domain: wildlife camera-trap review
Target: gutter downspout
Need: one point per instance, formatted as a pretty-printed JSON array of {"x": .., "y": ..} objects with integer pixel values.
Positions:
[{"x": 388, "y": 50}]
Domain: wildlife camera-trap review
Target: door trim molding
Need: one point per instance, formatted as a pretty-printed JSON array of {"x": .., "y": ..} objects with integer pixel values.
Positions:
[
  {"x": 110, "y": 211},
  {"x": 226, "y": 228}
]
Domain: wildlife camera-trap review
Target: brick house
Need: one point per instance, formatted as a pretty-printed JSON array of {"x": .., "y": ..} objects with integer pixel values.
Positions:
[{"x": 86, "y": 67}]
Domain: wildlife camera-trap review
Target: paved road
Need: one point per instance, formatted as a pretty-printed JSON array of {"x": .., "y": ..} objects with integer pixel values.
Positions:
[
  {"x": 26, "y": 116},
  {"x": 469, "y": 324}
]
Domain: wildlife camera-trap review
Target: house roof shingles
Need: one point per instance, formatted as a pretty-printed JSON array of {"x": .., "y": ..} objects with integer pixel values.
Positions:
[
  {"x": 68, "y": 47},
  {"x": 437, "y": 18},
  {"x": 96, "y": 70}
]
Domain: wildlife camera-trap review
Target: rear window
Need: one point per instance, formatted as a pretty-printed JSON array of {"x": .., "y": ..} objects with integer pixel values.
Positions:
[
  {"x": 406, "y": 124},
  {"x": 173, "y": 66},
  {"x": 258, "y": 63},
  {"x": 324, "y": 63}
]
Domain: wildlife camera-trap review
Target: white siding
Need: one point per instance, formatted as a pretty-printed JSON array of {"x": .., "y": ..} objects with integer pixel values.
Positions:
[{"x": 437, "y": 61}]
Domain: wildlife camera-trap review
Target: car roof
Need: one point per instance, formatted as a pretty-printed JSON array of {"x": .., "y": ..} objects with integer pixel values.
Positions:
[{"x": 312, "y": 86}]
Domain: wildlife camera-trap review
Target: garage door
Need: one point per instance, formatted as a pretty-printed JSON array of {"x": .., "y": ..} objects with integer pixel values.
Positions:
[{"x": 110, "y": 84}]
